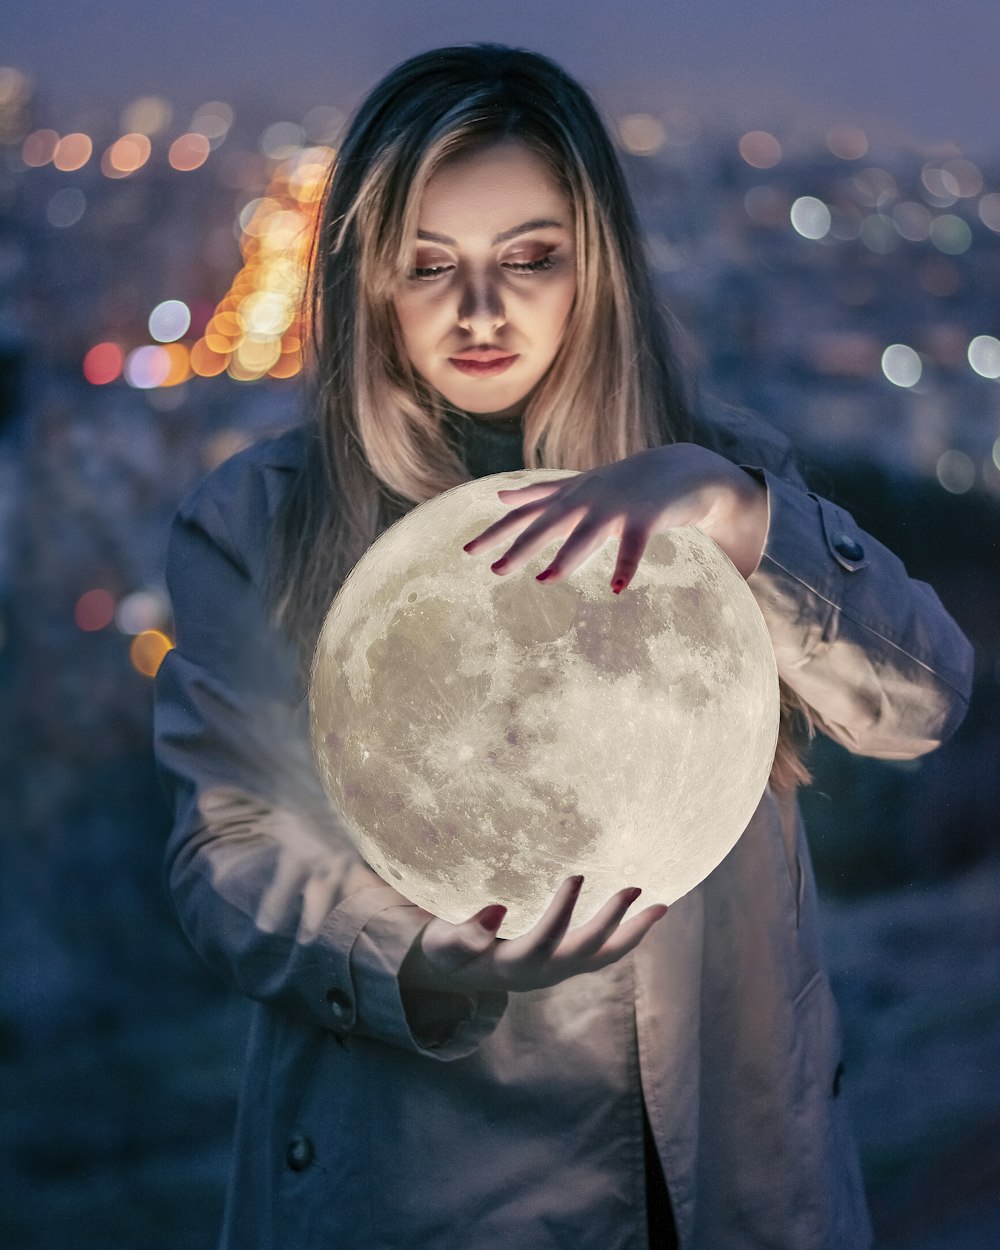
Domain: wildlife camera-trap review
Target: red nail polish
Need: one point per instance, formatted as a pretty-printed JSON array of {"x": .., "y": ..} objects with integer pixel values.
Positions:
[
  {"x": 544, "y": 577},
  {"x": 467, "y": 546},
  {"x": 498, "y": 564},
  {"x": 618, "y": 585},
  {"x": 491, "y": 917}
]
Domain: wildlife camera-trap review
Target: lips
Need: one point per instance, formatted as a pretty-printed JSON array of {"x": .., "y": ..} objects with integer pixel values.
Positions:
[{"x": 483, "y": 361}]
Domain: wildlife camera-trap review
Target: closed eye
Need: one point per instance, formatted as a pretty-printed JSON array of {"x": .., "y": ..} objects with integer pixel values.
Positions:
[{"x": 429, "y": 273}]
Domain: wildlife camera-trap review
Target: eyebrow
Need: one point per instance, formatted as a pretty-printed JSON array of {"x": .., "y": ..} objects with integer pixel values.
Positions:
[{"x": 537, "y": 223}]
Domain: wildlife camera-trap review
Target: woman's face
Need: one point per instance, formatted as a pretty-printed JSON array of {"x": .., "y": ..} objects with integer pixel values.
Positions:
[{"x": 485, "y": 305}]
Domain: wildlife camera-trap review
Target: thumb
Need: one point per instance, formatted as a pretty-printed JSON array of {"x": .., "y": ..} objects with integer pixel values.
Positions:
[{"x": 448, "y": 947}]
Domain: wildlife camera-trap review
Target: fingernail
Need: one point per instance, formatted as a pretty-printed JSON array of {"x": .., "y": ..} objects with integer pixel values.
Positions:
[
  {"x": 577, "y": 882},
  {"x": 618, "y": 585},
  {"x": 491, "y": 917},
  {"x": 468, "y": 546},
  {"x": 499, "y": 564},
  {"x": 544, "y": 577},
  {"x": 635, "y": 892}
]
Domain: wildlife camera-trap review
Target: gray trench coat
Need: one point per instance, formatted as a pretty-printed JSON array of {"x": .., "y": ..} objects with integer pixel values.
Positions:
[{"x": 498, "y": 1122}]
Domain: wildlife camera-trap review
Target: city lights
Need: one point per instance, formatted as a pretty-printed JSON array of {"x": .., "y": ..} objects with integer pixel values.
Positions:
[
  {"x": 901, "y": 365},
  {"x": 169, "y": 321},
  {"x": 148, "y": 651},
  {"x": 103, "y": 364},
  {"x": 642, "y": 134},
  {"x": 956, "y": 472},
  {"x": 984, "y": 355},
  {"x": 810, "y": 217},
  {"x": 72, "y": 152},
  {"x": 760, "y": 149},
  {"x": 94, "y": 610}
]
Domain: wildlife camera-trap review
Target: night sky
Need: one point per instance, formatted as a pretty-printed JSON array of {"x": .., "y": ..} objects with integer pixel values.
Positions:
[{"x": 919, "y": 69}]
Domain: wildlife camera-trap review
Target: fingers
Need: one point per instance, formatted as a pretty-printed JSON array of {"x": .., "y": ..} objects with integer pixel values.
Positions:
[
  {"x": 628, "y": 936},
  {"x": 495, "y": 534},
  {"x": 549, "y": 931},
  {"x": 633, "y": 545},
  {"x": 591, "y": 936},
  {"x": 587, "y": 537}
]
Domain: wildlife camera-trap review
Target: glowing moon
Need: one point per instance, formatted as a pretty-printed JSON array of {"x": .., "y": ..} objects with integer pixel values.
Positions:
[{"x": 483, "y": 737}]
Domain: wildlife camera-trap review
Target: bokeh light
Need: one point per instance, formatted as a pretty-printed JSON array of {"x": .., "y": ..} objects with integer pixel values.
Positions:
[
  {"x": 984, "y": 355},
  {"x": 965, "y": 176},
  {"x": 850, "y": 143},
  {"x": 148, "y": 651},
  {"x": 140, "y": 611},
  {"x": 213, "y": 120},
  {"x": 257, "y": 329},
  {"x": 146, "y": 367},
  {"x": 951, "y": 234},
  {"x": 989, "y": 211},
  {"x": 760, "y": 149},
  {"x": 939, "y": 187},
  {"x": 323, "y": 124},
  {"x": 126, "y": 155},
  {"x": 72, "y": 152},
  {"x": 94, "y": 610},
  {"x": 189, "y": 152},
  {"x": 147, "y": 115},
  {"x": 912, "y": 220},
  {"x": 875, "y": 187},
  {"x": 65, "y": 207},
  {"x": 103, "y": 363},
  {"x": 39, "y": 148},
  {"x": 642, "y": 134},
  {"x": 282, "y": 140},
  {"x": 810, "y": 217},
  {"x": 878, "y": 233},
  {"x": 956, "y": 472},
  {"x": 767, "y": 206},
  {"x": 901, "y": 365},
  {"x": 169, "y": 321}
]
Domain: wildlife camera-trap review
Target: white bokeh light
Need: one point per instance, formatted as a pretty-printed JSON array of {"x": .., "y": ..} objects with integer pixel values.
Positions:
[
  {"x": 169, "y": 321},
  {"x": 810, "y": 217},
  {"x": 984, "y": 355},
  {"x": 902, "y": 365}
]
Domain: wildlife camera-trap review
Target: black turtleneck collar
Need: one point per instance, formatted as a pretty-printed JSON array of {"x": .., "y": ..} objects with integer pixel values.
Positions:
[{"x": 485, "y": 447}]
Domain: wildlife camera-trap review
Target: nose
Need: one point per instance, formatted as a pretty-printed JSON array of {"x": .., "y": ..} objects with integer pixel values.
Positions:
[{"x": 480, "y": 305}]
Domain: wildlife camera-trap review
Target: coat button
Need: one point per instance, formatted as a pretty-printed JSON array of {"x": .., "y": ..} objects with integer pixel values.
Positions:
[
  {"x": 838, "y": 1077},
  {"x": 300, "y": 1153},
  {"x": 339, "y": 1004},
  {"x": 844, "y": 545}
]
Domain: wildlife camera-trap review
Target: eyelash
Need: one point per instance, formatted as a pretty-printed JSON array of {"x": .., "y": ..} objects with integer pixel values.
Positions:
[{"x": 517, "y": 266}]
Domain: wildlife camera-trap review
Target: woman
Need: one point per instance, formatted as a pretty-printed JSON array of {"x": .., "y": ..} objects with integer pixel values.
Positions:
[{"x": 481, "y": 304}]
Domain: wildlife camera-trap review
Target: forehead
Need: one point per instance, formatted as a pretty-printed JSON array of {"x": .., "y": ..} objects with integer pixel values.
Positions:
[{"x": 491, "y": 189}]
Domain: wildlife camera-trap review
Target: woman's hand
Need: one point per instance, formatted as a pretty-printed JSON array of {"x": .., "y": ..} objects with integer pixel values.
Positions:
[
  {"x": 470, "y": 958},
  {"x": 633, "y": 499}
]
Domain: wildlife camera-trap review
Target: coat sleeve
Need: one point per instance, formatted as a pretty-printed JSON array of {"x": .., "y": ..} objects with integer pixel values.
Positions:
[
  {"x": 884, "y": 669},
  {"x": 266, "y": 882}
]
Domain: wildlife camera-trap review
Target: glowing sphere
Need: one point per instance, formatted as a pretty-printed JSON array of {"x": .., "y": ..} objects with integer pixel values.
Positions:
[{"x": 485, "y": 736}]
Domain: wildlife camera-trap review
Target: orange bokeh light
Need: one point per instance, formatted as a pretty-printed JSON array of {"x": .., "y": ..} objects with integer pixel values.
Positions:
[
  {"x": 39, "y": 148},
  {"x": 94, "y": 610},
  {"x": 189, "y": 152},
  {"x": 103, "y": 363},
  {"x": 72, "y": 152},
  {"x": 148, "y": 650},
  {"x": 180, "y": 364},
  {"x": 126, "y": 155},
  {"x": 206, "y": 362}
]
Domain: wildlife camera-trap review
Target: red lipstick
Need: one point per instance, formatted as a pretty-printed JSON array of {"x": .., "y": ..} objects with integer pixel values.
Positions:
[{"x": 481, "y": 362}]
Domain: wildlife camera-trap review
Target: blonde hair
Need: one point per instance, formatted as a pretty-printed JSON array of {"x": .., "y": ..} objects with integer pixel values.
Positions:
[{"x": 378, "y": 445}]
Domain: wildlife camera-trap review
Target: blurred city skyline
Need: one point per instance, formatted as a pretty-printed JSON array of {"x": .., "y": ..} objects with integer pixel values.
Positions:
[{"x": 921, "y": 72}]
